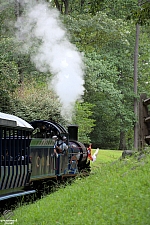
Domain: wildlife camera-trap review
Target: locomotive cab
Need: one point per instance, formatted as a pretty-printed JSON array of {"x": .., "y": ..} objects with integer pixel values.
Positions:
[{"x": 44, "y": 162}]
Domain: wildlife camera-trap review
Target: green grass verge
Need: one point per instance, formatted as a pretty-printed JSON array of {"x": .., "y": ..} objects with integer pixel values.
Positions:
[
  {"x": 115, "y": 193},
  {"x": 107, "y": 155}
]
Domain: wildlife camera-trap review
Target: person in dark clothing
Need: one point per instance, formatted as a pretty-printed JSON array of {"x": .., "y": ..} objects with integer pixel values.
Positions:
[{"x": 60, "y": 146}]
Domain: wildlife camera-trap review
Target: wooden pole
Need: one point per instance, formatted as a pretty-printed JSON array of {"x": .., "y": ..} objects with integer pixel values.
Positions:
[{"x": 135, "y": 87}]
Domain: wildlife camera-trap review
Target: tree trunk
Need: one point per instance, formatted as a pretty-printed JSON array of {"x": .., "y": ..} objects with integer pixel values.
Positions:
[
  {"x": 57, "y": 4},
  {"x": 66, "y": 4},
  {"x": 122, "y": 145},
  {"x": 63, "y": 4},
  {"x": 17, "y": 9},
  {"x": 21, "y": 76}
]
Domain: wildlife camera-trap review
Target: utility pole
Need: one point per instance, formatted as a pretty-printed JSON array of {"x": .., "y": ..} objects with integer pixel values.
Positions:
[
  {"x": 136, "y": 128},
  {"x": 135, "y": 86}
]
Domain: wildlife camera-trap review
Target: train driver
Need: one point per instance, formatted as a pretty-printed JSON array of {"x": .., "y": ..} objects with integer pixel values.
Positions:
[
  {"x": 60, "y": 146},
  {"x": 63, "y": 147}
]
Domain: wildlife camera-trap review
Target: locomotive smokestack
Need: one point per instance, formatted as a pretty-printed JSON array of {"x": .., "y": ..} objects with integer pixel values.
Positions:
[{"x": 73, "y": 132}]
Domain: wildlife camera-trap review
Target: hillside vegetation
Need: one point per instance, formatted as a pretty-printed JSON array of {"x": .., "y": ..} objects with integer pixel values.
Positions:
[
  {"x": 115, "y": 193},
  {"x": 87, "y": 45}
]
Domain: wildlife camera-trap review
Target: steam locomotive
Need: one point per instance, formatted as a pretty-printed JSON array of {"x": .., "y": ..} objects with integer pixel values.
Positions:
[{"x": 28, "y": 163}]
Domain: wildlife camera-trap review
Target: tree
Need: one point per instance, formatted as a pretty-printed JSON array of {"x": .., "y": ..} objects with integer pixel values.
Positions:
[
  {"x": 143, "y": 61},
  {"x": 115, "y": 9},
  {"x": 109, "y": 70},
  {"x": 8, "y": 74},
  {"x": 62, "y": 6},
  {"x": 83, "y": 118},
  {"x": 37, "y": 102},
  {"x": 141, "y": 15},
  {"x": 106, "y": 39},
  {"x": 121, "y": 10}
]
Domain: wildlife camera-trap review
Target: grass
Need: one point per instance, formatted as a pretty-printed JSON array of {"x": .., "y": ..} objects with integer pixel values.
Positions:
[
  {"x": 105, "y": 156},
  {"x": 116, "y": 193}
]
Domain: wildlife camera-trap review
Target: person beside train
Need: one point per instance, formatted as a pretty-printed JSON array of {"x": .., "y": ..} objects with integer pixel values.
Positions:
[
  {"x": 60, "y": 146},
  {"x": 89, "y": 153},
  {"x": 64, "y": 146},
  {"x": 8, "y": 156},
  {"x": 23, "y": 157}
]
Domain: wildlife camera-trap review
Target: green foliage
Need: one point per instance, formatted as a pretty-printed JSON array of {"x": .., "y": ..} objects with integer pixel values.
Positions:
[
  {"x": 8, "y": 74},
  {"x": 7, "y": 18},
  {"x": 97, "y": 6},
  {"x": 83, "y": 118},
  {"x": 31, "y": 105},
  {"x": 141, "y": 15},
  {"x": 91, "y": 33},
  {"x": 115, "y": 8},
  {"x": 74, "y": 7},
  {"x": 108, "y": 46},
  {"x": 101, "y": 31},
  {"x": 144, "y": 56},
  {"x": 105, "y": 89}
]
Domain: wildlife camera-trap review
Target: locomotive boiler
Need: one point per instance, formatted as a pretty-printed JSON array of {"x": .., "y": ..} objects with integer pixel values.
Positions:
[{"x": 28, "y": 162}]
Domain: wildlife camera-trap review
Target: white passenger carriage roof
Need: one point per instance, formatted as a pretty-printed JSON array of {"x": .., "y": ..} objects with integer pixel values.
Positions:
[{"x": 14, "y": 121}]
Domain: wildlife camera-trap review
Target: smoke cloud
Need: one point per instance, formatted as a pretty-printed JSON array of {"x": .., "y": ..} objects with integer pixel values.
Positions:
[{"x": 43, "y": 35}]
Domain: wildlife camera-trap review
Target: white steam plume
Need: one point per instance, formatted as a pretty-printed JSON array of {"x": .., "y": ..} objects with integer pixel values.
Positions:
[{"x": 41, "y": 30}]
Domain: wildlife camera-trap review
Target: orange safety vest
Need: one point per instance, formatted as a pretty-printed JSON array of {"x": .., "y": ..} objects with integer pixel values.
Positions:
[{"x": 89, "y": 151}]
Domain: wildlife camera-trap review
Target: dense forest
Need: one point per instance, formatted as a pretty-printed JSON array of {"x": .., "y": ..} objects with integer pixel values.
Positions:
[{"x": 76, "y": 61}]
